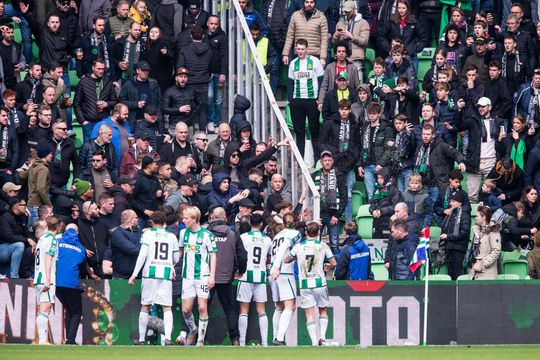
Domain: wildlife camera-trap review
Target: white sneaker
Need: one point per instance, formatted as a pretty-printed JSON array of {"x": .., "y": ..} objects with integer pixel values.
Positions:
[{"x": 210, "y": 128}]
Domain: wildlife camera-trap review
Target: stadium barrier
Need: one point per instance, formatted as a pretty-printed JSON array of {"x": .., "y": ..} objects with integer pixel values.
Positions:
[{"x": 361, "y": 312}]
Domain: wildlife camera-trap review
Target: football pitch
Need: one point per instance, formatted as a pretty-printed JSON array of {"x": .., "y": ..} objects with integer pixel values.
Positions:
[{"x": 25, "y": 352}]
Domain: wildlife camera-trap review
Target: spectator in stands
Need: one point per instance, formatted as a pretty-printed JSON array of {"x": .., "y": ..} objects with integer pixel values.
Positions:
[
  {"x": 118, "y": 25},
  {"x": 520, "y": 141},
  {"x": 403, "y": 147},
  {"x": 182, "y": 167},
  {"x": 455, "y": 47},
  {"x": 485, "y": 247},
  {"x": 455, "y": 233},
  {"x": 164, "y": 176},
  {"x": 106, "y": 210},
  {"x": 274, "y": 14},
  {"x": 241, "y": 105},
  {"x": 9, "y": 148},
  {"x": 431, "y": 79},
  {"x": 39, "y": 181},
  {"x": 470, "y": 91},
  {"x": 251, "y": 15},
  {"x": 354, "y": 260},
  {"x": 121, "y": 131},
  {"x": 509, "y": 179},
  {"x": 342, "y": 91},
  {"x": 441, "y": 130},
  {"x": 13, "y": 60},
  {"x": 96, "y": 45},
  {"x": 311, "y": 25},
  {"x": 485, "y": 142},
  {"x": 139, "y": 92},
  {"x": 341, "y": 64},
  {"x": 401, "y": 99},
  {"x": 515, "y": 65},
  {"x": 195, "y": 11},
  {"x": 158, "y": 53},
  {"x": 339, "y": 136},
  {"x": 405, "y": 247},
  {"x": 523, "y": 40},
  {"x": 168, "y": 16},
  {"x": 478, "y": 60},
  {"x": 103, "y": 143},
  {"x": 497, "y": 91},
  {"x": 376, "y": 80},
  {"x": 139, "y": 13},
  {"x": 49, "y": 95},
  {"x": 179, "y": 100},
  {"x": 270, "y": 62},
  {"x": 442, "y": 204},
  {"x": 94, "y": 236},
  {"x": 400, "y": 212},
  {"x": 9, "y": 190},
  {"x": 401, "y": 66},
  {"x": 180, "y": 146},
  {"x": 332, "y": 186},
  {"x": 69, "y": 22},
  {"x": 526, "y": 101},
  {"x": 127, "y": 52},
  {"x": 93, "y": 99},
  {"x": 419, "y": 204},
  {"x": 354, "y": 30},
  {"x": 89, "y": 10},
  {"x": 488, "y": 196},
  {"x": 183, "y": 194},
  {"x": 532, "y": 167},
  {"x": 16, "y": 237},
  {"x": 223, "y": 194},
  {"x": 374, "y": 155},
  {"x": 125, "y": 245},
  {"x": 533, "y": 259},
  {"x": 64, "y": 157},
  {"x": 197, "y": 57},
  {"x": 30, "y": 90},
  {"x": 132, "y": 158},
  {"x": 381, "y": 204},
  {"x": 515, "y": 233},
  {"x": 529, "y": 199},
  {"x": 147, "y": 190},
  {"x": 279, "y": 186},
  {"x": 15, "y": 116},
  {"x": 121, "y": 192},
  {"x": 219, "y": 43},
  {"x": 359, "y": 108},
  {"x": 405, "y": 27},
  {"x": 153, "y": 128},
  {"x": 101, "y": 178}
]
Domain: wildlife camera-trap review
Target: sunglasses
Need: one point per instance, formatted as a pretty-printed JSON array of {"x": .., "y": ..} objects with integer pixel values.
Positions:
[
  {"x": 235, "y": 155},
  {"x": 204, "y": 140},
  {"x": 63, "y": 129}
]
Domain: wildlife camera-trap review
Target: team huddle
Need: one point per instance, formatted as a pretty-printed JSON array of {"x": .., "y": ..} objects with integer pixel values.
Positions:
[{"x": 266, "y": 259}]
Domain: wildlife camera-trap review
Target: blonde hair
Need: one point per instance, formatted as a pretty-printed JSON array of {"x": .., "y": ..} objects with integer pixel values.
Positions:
[
  {"x": 192, "y": 212},
  {"x": 414, "y": 177}
]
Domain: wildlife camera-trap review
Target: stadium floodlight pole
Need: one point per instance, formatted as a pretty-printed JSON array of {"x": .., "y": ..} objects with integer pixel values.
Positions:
[
  {"x": 272, "y": 100},
  {"x": 426, "y": 300}
]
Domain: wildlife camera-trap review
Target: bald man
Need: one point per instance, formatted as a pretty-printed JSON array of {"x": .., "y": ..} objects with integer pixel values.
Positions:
[
  {"x": 125, "y": 245},
  {"x": 216, "y": 149},
  {"x": 279, "y": 186},
  {"x": 180, "y": 146}
]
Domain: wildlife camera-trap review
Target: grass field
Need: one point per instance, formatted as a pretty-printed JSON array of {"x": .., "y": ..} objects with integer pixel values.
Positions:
[{"x": 26, "y": 352}]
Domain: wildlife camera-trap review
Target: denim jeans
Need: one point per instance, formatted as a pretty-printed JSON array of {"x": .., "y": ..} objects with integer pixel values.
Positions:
[
  {"x": 215, "y": 99},
  {"x": 26, "y": 34},
  {"x": 403, "y": 180},
  {"x": 351, "y": 178},
  {"x": 11, "y": 254},
  {"x": 87, "y": 131},
  {"x": 369, "y": 179},
  {"x": 67, "y": 82},
  {"x": 333, "y": 233},
  {"x": 33, "y": 210}
]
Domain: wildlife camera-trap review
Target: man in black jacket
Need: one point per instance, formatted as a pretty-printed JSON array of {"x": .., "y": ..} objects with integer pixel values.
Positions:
[
  {"x": 168, "y": 17},
  {"x": 125, "y": 245},
  {"x": 9, "y": 148},
  {"x": 180, "y": 146},
  {"x": 497, "y": 91},
  {"x": 179, "y": 100},
  {"x": 217, "y": 39},
  {"x": 94, "y": 98},
  {"x": 96, "y": 45},
  {"x": 340, "y": 91},
  {"x": 101, "y": 143},
  {"x": 196, "y": 57},
  {"x": 147, "y": 191},
  {"x": 30, "y": 90},
  {"x": 232, "y": 260},
  {"x": 12, "y": 59},
  {"x": 94, "y": 236}
]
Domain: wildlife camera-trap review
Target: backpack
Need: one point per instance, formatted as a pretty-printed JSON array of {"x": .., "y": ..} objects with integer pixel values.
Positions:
[{"x": 437, "y": 253}]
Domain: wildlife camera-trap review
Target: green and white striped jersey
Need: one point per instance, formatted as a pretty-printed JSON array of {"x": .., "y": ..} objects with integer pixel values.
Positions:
[
  {"x": 305, "y": 74},
  {"x": 197, "y": 247},
  {"x": 162, "y": 246},
  {"x": 310, "y": 255},
  {"x": 281, "y": 246},
  {"x": 47, "y": 244},
  {"x": 258, "y": 247}
]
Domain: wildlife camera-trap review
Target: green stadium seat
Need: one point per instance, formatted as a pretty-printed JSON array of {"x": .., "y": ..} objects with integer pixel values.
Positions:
[
  {"x": 440, "y": 277},
  {"x": 288, "y": 118},
  {"x": 510, "y": 255},
  {"x": 363, "y": 211},
  {"x": 507, "y": 277},
  {"x": 369, "y": 57},
  {"x": 365, "y": 227},
  {"x": 379, "y": 272},
  {"x": 77, "y": 129},
  {"x": 443, "y": 270},
  {"x": 474, "y": 207},
  {"x": 357, "y": 201},
  {"x": 516, "y": 267},
  {"x": 17, "y": 36},
  {"x": 426, "y": 54},
  {"x": 423, "y": 67},
  {"x": 73, "y": 78},
  {"x": 463, "y": 277}
]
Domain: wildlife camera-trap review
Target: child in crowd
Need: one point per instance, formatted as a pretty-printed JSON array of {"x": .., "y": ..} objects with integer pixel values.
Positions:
[
  {"x": 376, "y": 80},
  {"x": 418, "y": 202},
  {"x": 445, "y": 109},
  {"x": 140, "y": 14},
  {"x": 442, "y": 205},
  {"x": 488, "y": 196},
  {"x": 404, "y": 148},
  {"x": 381, "y": 205}
]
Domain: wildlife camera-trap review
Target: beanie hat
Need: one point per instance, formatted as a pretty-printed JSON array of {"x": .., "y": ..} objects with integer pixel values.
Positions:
[
  {"x": 459, "y": 196},
  {"x": 43, "y": 150},
  {"x": 81, "y": 186}
]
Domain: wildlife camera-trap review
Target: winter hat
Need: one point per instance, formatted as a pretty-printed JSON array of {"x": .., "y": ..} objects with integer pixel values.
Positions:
[
  {"x": 459, "y": 196},
  {"x": 146, "y": 161},
  {"x": 43, "y": 150},
  {"x": 81, "y": 186}
]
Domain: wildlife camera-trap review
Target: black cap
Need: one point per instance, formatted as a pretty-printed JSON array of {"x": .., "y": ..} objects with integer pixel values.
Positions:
[
  {"x": 143, "y": 135},
  {"x": 126, "y": 180},
  {"x": 150, "y": 109},
  {"x": 246, "y": 203},
  {"x": 147, "y": 160},
  {"x": 143, "y": 65},
  {"x": 459, "y": 196},
  {"x": 187, "y": 180}
]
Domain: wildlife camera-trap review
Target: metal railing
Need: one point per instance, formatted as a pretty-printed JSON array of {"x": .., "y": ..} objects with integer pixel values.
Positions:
[{"x": 248, "y": 78}]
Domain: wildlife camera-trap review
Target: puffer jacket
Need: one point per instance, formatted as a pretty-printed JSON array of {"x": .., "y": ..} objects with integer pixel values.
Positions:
[
  {"x": 84, "y": 102},
  {"x": 522, "y": 99},
  {"x": 175, "y": 97},
  {"x": 329, "y": 140},
  {"x": 360, "y": 33},
  {"x": 314, "y": 30},
  {"x": 274, "y": 14},
  {"x": 129, "y": 96},
  {"x": 404, "y": 252},
  {"x": 168, "y": 16},
  {"x": 489, "y": 251},
  {"x": 420, "y": 206},
  {"x": 197, "y": 57},
  {"x": 441, "y": 160},
  {"x": 329, "y": 79},
  {"x": 414, "y": 39}
]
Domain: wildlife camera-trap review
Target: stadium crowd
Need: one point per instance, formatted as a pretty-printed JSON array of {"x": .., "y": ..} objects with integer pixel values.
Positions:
[{"x": 150, "y": 88}]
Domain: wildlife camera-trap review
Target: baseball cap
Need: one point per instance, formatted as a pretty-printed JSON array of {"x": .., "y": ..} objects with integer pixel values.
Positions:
[
  {"x": 483, "y": 101},
  {"x": 480, "y": 41},
  {"x": 143, "y": 135},
  {"x": 343, "y": 75},
  {"x": 182, "y": 71},
  {"x": 9, "y": 186},
  {"x": 150, "y": 109},
  {"x": 246, "y": 203},
  {"x": 126, "y": 180},
  {"x": 143, "y": 65},
  {"x": 326, "y": 153},
  {"x": 187, "y": 180},
  {"x": 348, "y": 6}
]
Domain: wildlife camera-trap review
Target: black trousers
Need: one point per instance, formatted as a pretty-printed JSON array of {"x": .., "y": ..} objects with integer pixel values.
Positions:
[
  {"x": 300, "y": 109},
  {"x": 454, "y": 259},
  {"x": 71, "y": 299},
  {"x": 201, "y": 100},
  {"x": 226, "y": 295}
]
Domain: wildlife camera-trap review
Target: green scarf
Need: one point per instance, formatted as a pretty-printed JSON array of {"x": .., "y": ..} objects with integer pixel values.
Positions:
[
  {"x": 381, "y": 192},
  {"x": 518, "y": 154}
]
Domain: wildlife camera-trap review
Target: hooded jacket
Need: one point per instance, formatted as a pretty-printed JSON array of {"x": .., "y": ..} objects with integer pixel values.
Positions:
[
  {"x": 216, "y": 197},
  {"x": 360, "y": 33},
  {"x": 387, "y": 203},
  {"x": 241, "y": 105},
  {"x": 511, "y": 184},
  {"x": 39, "y": 182},
  {"x": 125, "y": 246},
  {"x": 71, "y": 255},
  {"x": 175, "y": 97},
  {"x": 144, "y": 194},
  {"x": 168, "y": 16},
  {"x": 404, "y": 252},
  {"x": 220, "y": 57},
  {"x": 329, "y": 140},
  {"x": 197, "y": 57},
  {"x": 456, "y": 54},
  {"x": 513, "y": 229},
  {"x": 359, "y": 109},
  {"x": 413, "y": 36},
  {"x": 232, "y": 254},
  {"x": 354, "y": 261},
  {"x": 405, "y": 69},
  {"x": 441, "y": 160}
]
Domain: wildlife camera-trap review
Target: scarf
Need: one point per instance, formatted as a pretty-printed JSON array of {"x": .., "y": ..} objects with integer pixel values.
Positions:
[
  {"x": 422, "y": 160},
  {"x": 35, "y": 83},
  {"x": 94, "y": 41},
  {"x": 329, "y": 191},
  {"x": 532, "y": 112},
  {"x": 13, "y": 118},
  {"x": 381, "y": 191},
  {"x": 366, "y": 141},
  {"x": 344, "y": 135},
  {"x": 517, "y": 154},
  {"x": 127, "y": 50},
  {"x": 517, "y": 64},
  {"x": 5, "y": 138},
  {"x": 455, "y": 230}
]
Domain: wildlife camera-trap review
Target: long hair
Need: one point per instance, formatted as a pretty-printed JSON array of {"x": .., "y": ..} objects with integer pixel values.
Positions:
[{"x": 408, "y": 16}]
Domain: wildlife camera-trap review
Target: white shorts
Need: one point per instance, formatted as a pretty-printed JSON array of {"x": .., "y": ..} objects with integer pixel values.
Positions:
[
  {"x": 314, "y": 297},
  {"x": 284, "y": 288},
  {"x": 47, "y": 296},
  {"x": 249, "y": 291},
  {"x": 195, "y": 288},
  {"x": 156, "y": 291}
]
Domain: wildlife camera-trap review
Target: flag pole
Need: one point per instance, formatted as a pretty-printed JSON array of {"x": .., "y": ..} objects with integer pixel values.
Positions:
[{"x": 426, "y": 300}]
